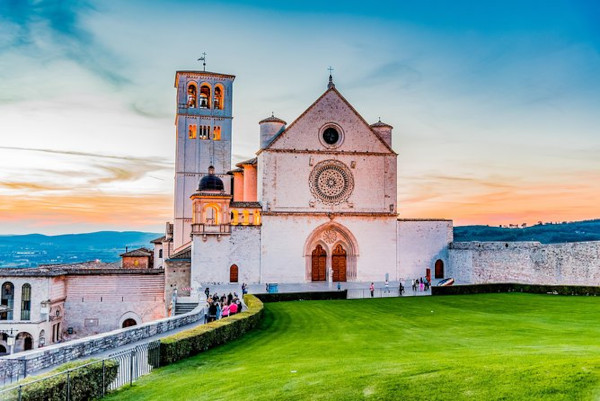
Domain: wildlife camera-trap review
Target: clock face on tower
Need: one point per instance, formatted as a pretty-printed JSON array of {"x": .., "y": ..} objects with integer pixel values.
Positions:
[{"x": 331, "y": 182}]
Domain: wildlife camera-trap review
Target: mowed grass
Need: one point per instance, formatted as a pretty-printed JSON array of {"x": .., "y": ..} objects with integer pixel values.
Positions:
[{"x": 473, "y": 347}]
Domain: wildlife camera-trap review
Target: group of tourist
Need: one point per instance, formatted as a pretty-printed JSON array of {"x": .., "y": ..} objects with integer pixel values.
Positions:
[
  {"x": 420, "y": 284},
  {"x": 220, "y": 307}
]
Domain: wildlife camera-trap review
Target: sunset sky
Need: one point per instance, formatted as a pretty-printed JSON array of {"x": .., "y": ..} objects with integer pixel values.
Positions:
[{"x": 495, "y": 105}]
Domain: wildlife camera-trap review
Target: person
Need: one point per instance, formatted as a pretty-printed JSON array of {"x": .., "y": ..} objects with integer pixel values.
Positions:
[
  {"x": 401, "y": 289},
  {"x": 212, "y": 312},
  {"x": 372, "y": 289},
  {"x": 229, "y": 298},
  {"x": 233, "y": 308},
  {"x": 218, "y": 310},
  {"x": 225, "y": 310},
  {"x": 244, "y": 289},
  {"x": 387, "y": 286},
  {"x": 421, "y": 284},
  {"x": 339, "y": 286},
  {"x": 414, "y": 285},
  {"x": 239, "y": 305},
  {"x": 207, "y": 292}
]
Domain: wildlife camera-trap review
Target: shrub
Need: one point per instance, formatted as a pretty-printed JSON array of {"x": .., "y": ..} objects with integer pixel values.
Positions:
[
  {"x": 85, "y": 382},
  {"x": 303, "y": 296},
  {"x": 512, "y": 287},
  {"x": 191, "y": 342}
]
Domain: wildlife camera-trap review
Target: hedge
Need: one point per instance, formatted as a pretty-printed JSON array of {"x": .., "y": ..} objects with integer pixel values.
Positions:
[
  {"x": 199, "y": 339},
  {"x": 515, "y": 287},
  {"x": 85, "y": 382},
  {"x": 303, "y": 296}
]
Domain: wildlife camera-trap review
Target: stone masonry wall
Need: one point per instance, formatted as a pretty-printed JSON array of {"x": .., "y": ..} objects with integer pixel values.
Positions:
[
  {"x": 574, "y": 263},
  {"x": 57, "y": 354}
]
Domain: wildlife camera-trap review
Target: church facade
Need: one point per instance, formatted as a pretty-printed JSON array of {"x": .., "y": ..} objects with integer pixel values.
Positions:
[{"x": 317, "y": 203}]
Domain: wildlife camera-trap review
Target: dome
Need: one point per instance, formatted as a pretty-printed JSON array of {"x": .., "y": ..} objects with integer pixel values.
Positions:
[{"x": 211, "y": 182}]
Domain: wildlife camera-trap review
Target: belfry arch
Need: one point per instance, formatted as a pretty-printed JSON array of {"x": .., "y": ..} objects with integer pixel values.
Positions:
[{"x": 338, "y": 246}]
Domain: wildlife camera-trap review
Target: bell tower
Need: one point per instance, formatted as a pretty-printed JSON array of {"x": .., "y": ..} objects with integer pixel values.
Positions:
[{"x": 203, "y": 128}]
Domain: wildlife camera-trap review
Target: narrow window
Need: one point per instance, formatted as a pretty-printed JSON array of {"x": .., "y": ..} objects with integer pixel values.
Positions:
[
  {"x": 26, "y": 302},
  {"x": 217, "y": 133},
  {"x": 192, "y": 129},
  {"x": 219, "y": 97},
  {"x": 7, "y": 300},
  {"x": 205, "y": 97},
  {"x": 191, "y": 96}
]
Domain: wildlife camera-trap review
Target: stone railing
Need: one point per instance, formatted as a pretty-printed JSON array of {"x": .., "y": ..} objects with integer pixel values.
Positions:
[{"x": 25, "y": 363}]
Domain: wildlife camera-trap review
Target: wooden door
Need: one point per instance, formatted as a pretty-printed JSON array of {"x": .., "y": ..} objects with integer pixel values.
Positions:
[
  {"x": 233, "y": 274},
  {"x": 439, "y": 269},
  {"x": 319, "y": 258},
  {"x": 338, "y": 263}
]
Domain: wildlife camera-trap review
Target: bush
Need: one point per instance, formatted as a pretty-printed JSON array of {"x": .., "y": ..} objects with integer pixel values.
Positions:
[
  {"x": 303, "y": 296},
  {"x": 85, "y": 382},
  {"x": 513, "y": 287},
  {"x": 191, "y": 342}
]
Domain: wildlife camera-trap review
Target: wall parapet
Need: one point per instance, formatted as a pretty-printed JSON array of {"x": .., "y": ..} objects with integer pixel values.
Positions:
[{"x": 29, "y": 362}]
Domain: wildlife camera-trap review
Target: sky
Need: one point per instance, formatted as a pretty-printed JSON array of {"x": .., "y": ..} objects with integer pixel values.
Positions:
[{"x": 495, "y": 105}]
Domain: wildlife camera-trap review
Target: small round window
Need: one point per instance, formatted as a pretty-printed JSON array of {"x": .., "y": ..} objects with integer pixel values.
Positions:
[{"x": 331, "y": 136}]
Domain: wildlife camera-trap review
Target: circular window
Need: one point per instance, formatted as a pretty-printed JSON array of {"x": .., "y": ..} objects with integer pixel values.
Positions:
[
  {"x": 331, "y": 182},
  {"x": 331, "y": 135}
]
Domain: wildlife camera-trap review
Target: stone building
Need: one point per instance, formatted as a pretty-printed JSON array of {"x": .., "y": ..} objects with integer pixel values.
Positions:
[
  {"x": 318, "y": 203},
  {"x": 48, "y": 304}
]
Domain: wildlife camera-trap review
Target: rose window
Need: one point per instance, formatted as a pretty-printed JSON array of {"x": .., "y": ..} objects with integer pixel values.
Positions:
[{"x": 331, "y": 182}]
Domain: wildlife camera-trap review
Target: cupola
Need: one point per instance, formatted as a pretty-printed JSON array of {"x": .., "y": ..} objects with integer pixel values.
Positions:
[
  {"x": 384, "y": 131},
  {"x": 211, "y": 182},
  {"x": 269, "y": 128}
]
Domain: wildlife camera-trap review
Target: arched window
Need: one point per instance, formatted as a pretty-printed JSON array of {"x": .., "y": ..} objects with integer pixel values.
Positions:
[
  {"x": 216, "y": 133},
  {"x": 192, "y": 130},
  {"x": 205, "y": 97},
  {"x": 26, "y": 302},
  {"x": 439, "y": 269},
  {"x": 129, "y": 322},
  {"x": 219, "y": 95},
  {"x": 160, "y": 253},
  {"x": 233, "y": 274},
  {"x": 7, "y": 301},
  {"x": 211, "y": 215},
  {"x": 192, "y": 92}
]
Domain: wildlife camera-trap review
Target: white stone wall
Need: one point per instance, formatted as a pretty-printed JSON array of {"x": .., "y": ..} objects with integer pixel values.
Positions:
[
  {"x": 576, "y": 263},
  {"x": 213, "y": 256},
  {"x": 284, "y": 257},
  {"x": 420, "y": 244}
]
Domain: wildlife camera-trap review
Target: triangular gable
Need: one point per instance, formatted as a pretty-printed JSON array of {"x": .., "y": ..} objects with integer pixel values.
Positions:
[{"x": 383, "y": 146}]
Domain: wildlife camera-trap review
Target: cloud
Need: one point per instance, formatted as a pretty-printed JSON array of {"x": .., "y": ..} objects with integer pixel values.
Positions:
[{"x": 50, "y": 30}]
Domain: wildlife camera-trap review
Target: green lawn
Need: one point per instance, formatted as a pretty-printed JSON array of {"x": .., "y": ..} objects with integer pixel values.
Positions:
[{"x": 482, "y": 347}]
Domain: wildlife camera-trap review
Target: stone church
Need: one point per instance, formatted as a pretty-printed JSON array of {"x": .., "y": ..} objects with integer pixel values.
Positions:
[{"x": 317, "y": 203}]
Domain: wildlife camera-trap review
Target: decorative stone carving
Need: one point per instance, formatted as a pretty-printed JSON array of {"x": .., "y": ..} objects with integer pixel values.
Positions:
[
  {"x": 329, "y": 236},
  {"x": 331, "y": 182}
]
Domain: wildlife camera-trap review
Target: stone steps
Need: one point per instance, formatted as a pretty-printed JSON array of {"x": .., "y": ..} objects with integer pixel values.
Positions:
[{"x": 184, "y": 307}]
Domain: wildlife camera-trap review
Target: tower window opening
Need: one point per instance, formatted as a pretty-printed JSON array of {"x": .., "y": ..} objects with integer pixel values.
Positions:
[
  {"x": 210, "y": 216},
  {"x": 217, "y": 133},
  {"x": 191, "y": 96},
  {"x": 192, "y": 129},
  {"x": 205, "y": 97},
  {"x": 218, "y": 101}
]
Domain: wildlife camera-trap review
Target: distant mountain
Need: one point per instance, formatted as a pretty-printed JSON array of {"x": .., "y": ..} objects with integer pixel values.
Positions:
[
  {"x": 35, "y": 249},
  {"x": 588, "y": 230}
]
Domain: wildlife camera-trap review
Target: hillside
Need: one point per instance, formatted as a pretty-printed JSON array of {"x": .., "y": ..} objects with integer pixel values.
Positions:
[
  {"x": 35, "y": 249},
  {"x": 588, "y": 230}
]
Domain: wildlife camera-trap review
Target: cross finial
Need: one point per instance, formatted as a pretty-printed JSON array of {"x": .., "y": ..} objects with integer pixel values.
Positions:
[
  {"x": 330, "y": 84},
  {"x": 203, "y": 59}
]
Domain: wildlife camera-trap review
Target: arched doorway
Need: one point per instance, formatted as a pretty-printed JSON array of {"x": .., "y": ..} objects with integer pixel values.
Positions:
[
  {"x": 439, "y": 269},
  {"x": 23, "y": 342},
  {"x": 233, "y": 274},
  {"x": 319, "y": 260},
  {"x": 129, "y": 322},
  {"x": 2, "y": 349},
  {"x": 338, "y": 263}
]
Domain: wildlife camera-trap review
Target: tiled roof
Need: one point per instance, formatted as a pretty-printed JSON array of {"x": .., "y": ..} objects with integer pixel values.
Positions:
[
  {"x": 272, "y": 119},
  {"x": 245, "y": 204},
  {"x": 185, "y": 253},
  {"x": 381, "y": 124},
  {"x": 252, "y": 162},
  {"x": 138, "y": 252},
  {"x": 158, "y": 240}
]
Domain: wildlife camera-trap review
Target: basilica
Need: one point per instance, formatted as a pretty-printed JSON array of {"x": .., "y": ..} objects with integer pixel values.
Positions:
[{"x": 317, "y": 203}]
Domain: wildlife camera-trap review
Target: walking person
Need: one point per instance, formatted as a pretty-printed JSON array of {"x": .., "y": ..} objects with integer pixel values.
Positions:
[
  {"x": 387, "y": 286},
  {"x": 400, "y": 289},
  {"x": 372, "y": 289},
  {"x": 207, "y": 292}
]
